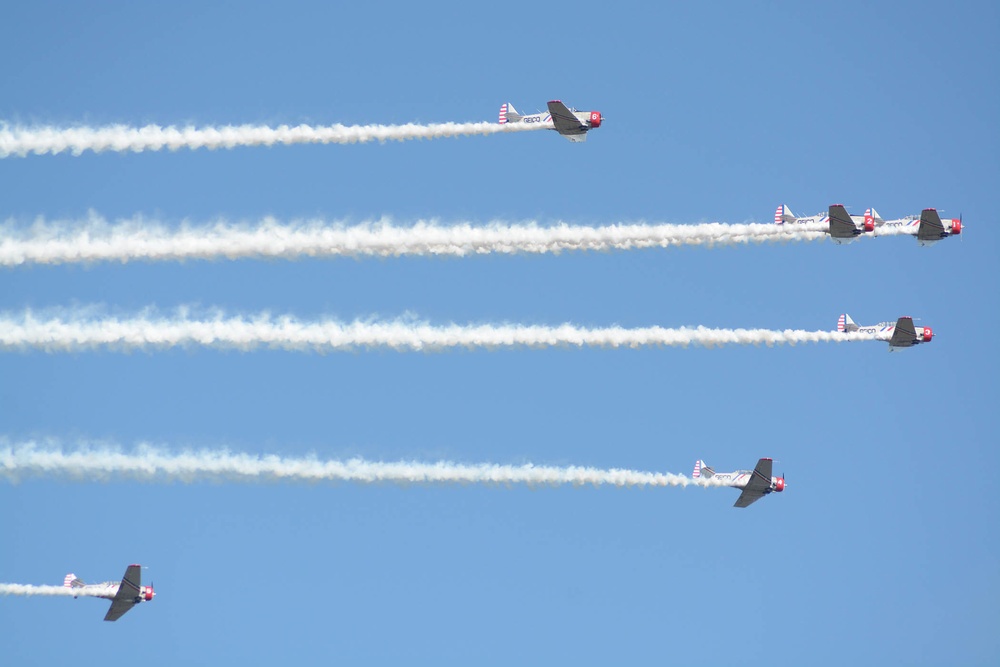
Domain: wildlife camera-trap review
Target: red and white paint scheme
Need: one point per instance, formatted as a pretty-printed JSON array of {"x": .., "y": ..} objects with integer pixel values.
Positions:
[
  {"x": 838, "y": 223},
  {"x": 123, "y": 594},
  {"x": 899, "y": 334},
  {"x": 755, "y": 483},
  {"x": 570, "y": 123},
  {"x": 928, "y": 227}
]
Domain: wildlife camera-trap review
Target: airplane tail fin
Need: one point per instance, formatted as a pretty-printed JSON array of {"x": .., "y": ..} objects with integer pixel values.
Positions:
[
  {"x": 70, "y": 581},
  {"x": 846, "y": 324},
  {"x": 872, "y": 220},
  {"x": 508, "y": 114},
  {"x": 783, "y": 214},
  {"x": 701, "y": 470}
]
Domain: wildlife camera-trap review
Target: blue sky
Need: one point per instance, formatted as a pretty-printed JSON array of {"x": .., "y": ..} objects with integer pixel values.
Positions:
[{"x": 882, "y": 548}]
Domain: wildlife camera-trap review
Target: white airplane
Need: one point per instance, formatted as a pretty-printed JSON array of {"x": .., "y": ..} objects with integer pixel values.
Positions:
[
  {"x": 123, "y": 595},
  {"x": 928, "y": 227},
  {"x": 841, "y": 226},
  {"x": 570, "y": 123},
  {"x": 899, "y": 334},
  {"x": 755, "y": 483}
]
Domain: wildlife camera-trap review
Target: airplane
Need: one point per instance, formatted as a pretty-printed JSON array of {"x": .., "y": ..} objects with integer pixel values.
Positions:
[
  {"x": 842, "y": 227},
  {"x": 900, "y": 334},
  {"x": 928, "y": 227},
  {"x": 755, "y": 483},
  {"x": 570, "y": 123},
  {"x": 123, "y": 596}
]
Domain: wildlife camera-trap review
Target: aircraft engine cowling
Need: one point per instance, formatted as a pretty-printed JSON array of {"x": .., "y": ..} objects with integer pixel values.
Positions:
[
  {"x": 147, "y": 593},
  {"x": 869, "y": 224},
  {"x": 928, "y": 334},
  {"x": 956, "y": 226},
  {"x": 595, "y": 118},
  {"x": 779, "y": 484}
]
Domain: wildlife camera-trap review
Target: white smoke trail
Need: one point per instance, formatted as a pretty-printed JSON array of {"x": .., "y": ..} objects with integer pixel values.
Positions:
[
  {"x": 150, "y": 463},
  {"x": 78, "y": 330},
  {"x": 138, "y": 239},
  {"x": 20, "y": 141},
  {"x": 896, "y": 230},
  {"x": 62, "y": 591}
]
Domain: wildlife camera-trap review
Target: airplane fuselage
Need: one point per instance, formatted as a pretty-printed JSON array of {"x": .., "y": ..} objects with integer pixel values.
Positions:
[
  {"x": 123, "y": 594},
  {"x": 572, "y": 124},
  {"x": 911, "y": 225},
  {"x": 880, "y": 331},
  {"x": 858, "y": 220},
  {"x": 740, "y": 478},
  {"x": 737, "y": 479},
  {"x": 585, "y": 117},
  {"x": 536, "y": 118},
  {"x": 887, "y": 331},
  {"x": 107, "y": 590},
  {"x": 902, "y": 223}
]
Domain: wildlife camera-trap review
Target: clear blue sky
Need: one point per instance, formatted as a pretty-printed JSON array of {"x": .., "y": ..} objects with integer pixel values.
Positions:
[{"x": 882, "y": 550}]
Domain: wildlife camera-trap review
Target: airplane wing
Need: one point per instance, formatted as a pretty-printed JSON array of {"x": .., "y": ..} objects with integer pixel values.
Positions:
[
  {"x": 128, "y": 591},
  {"x": 757, "y": 487},
  {"x": 841, "y": 225},
  {"x": 566, "y": 122},
  {"x": 931, "y": 228},
  {"x": 904, "y": 334}
]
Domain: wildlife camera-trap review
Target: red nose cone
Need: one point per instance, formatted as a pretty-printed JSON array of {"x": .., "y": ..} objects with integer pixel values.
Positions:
[
  {"x": 928, "y": 334},
  {"x": 149, "y": 593},
  {"x": 780, "y": 484},
  {"x": 869, "y": 225},
  {"x": 956, "y": 226},
  {"x": 595, "y": 118}
]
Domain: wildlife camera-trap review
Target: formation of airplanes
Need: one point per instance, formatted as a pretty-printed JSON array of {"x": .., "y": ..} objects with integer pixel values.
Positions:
[
  {"x": 844, "y": 227},
  {"x": 123, "y": 595},
  {"x": 754, "y": 484},
  {"x": 570, "y": 123},
  {"x": 760, "y": 481}
]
